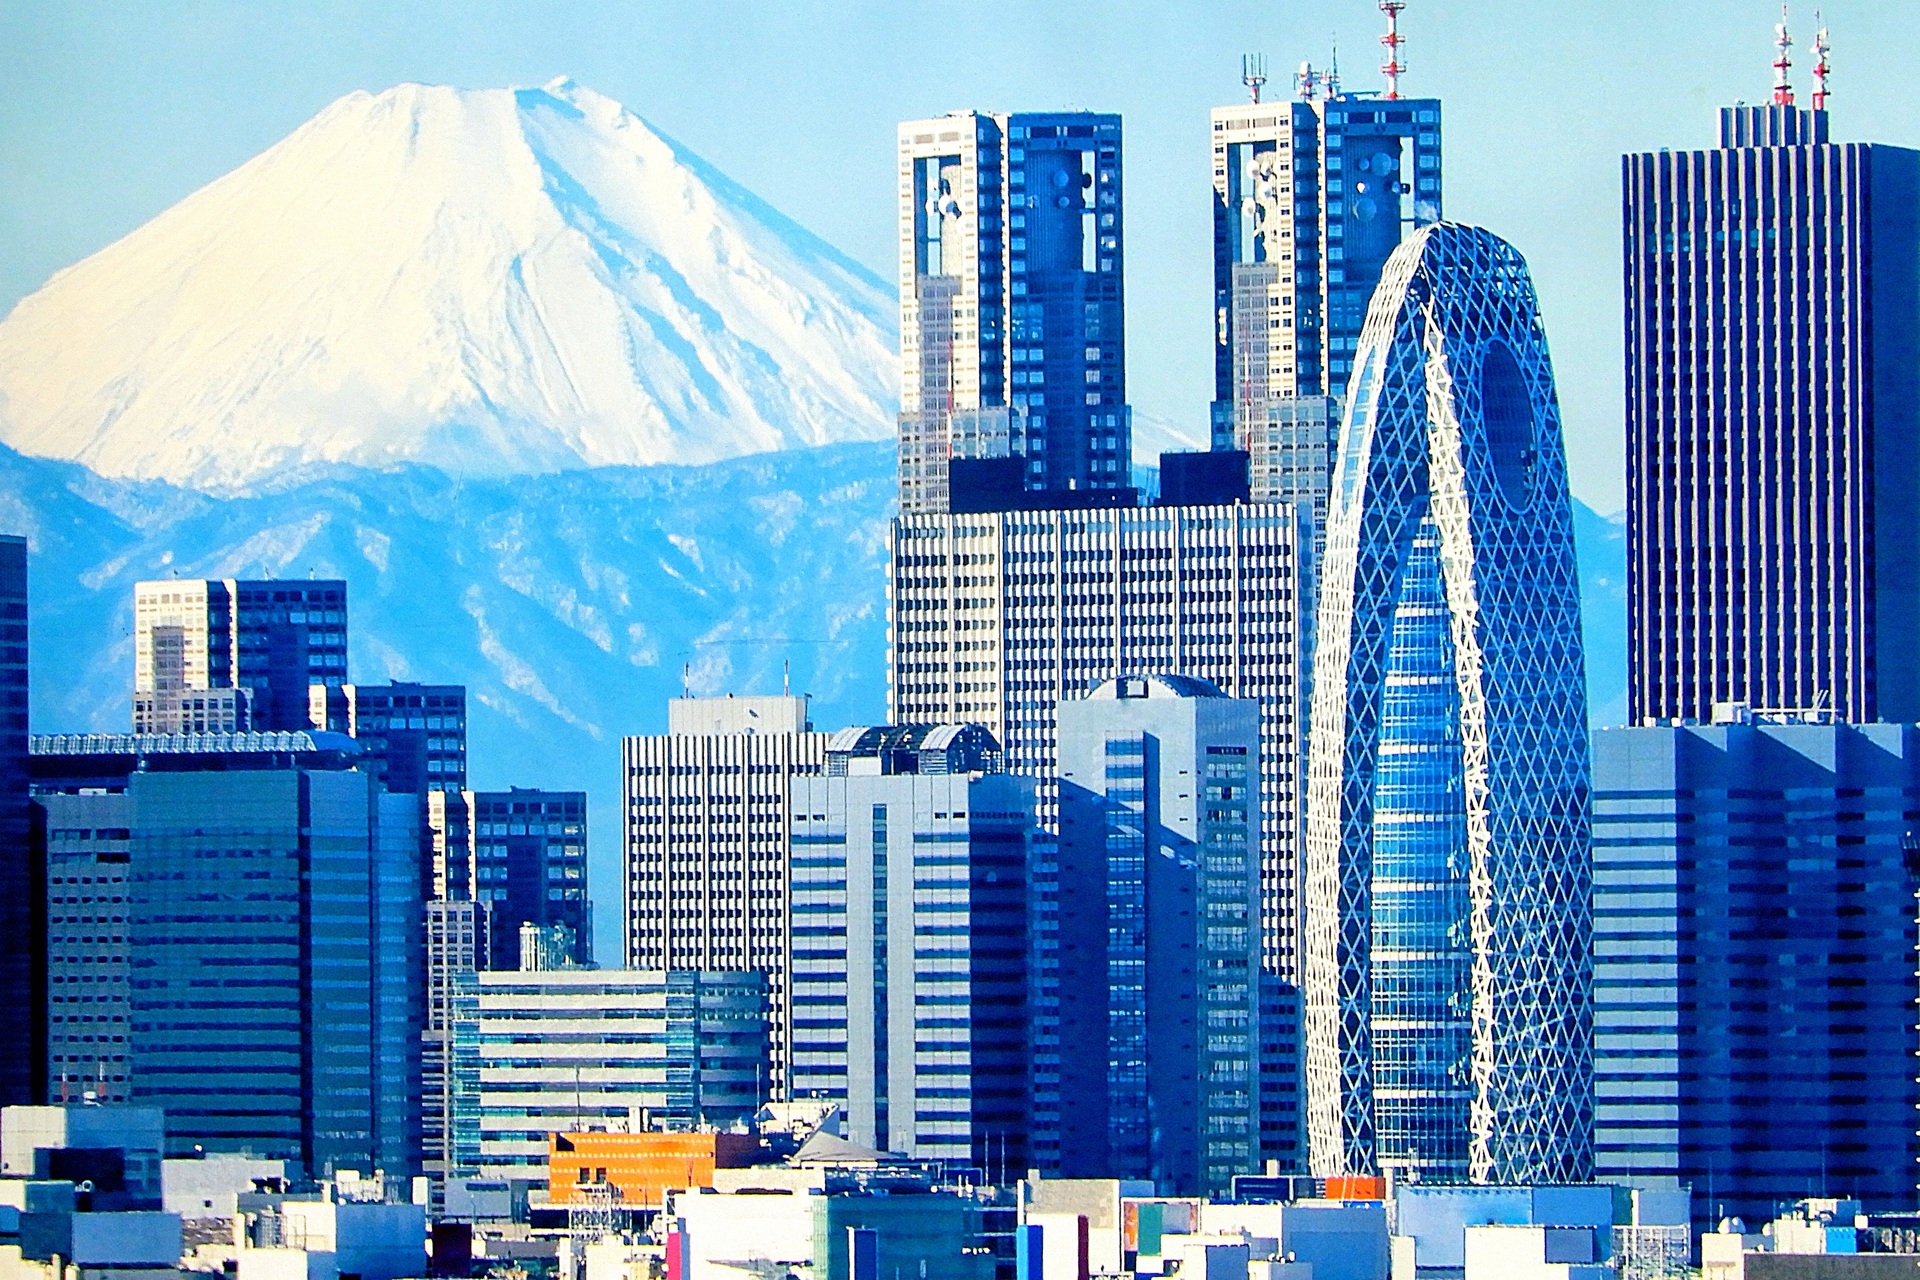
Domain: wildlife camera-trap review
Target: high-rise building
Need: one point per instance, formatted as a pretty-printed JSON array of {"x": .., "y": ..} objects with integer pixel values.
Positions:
[
  {"x": 272, "y": 953},
  {"x": 1158, "y": 901},
  {"x": 565, "y": 1049},
  {"x": 22, "y": 946},
  {"x": 413, "y": 737},
  {"x": 708, "y": 827},
  {"x": 89, "y": 839},
  {"x": 456, "y": 940},
  {"x": 1753, "y": 928},
  {"x": 1012, "y": 316},
  {"x": 998, "y": 618},
  {"x": 1773, "y": 410},
  {"x": 222, "y": 656},
  {"x": 909, "y": 967},
  {"x": 1447, "y": 968},
  {"x": 530, "y": 867},
  {"x": 1309, "y": 199}
]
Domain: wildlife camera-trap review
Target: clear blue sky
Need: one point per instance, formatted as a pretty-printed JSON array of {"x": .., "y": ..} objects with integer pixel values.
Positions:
[{"x": 111, "y": 111}]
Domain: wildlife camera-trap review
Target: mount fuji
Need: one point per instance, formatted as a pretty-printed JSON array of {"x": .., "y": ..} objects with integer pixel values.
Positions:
[{"x": 491, "y": 282}]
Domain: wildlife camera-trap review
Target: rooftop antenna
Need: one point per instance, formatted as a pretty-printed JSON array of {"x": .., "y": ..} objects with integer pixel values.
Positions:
[
  {"x": 1782, "y": 88},
  {"x": 786, "y": 665},
  {"x": 1820, "y": 65},
  {"x": 686, "y": 679},
  {"x": 1392, "y": 67},
  {"x": 1306, "y": 82},
  {"x": 1333, "y": 72},
  {"x": 1253, "y": 73}
]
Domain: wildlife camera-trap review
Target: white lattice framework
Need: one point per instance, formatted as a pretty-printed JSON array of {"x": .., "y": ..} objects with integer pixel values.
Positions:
[{"x": 1453, "y": 422}]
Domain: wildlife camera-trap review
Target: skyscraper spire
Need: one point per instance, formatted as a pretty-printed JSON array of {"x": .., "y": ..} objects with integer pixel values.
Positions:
[
  {"x": 1392, "y": 67},
  {"x": 1820, "y": 65},
  {"x": 1782, "y": 88}
]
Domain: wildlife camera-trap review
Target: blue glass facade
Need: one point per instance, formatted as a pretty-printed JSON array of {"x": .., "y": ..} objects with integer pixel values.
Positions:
[
  {"x": 22, "y": 1057},
  {"x": 1754, "y": 1017},
  {"x": 1013, "y": 316},
  {"x": 1446, "y": 934},
  {"x": 1157, "y": 903},
  {"x": 1421, "y": 956}
]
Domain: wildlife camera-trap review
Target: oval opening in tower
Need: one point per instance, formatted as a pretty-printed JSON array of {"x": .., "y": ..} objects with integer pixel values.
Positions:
[{"x": 1507, "y": 412}]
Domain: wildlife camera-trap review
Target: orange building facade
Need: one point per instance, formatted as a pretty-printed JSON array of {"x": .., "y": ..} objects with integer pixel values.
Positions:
[{"x": 640, "y": 1167}]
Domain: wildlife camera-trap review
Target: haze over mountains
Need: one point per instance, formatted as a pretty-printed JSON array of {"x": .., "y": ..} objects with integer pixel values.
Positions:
[
  {"x": 581, "y": 422},
  {"x": 488, "y": 281}
]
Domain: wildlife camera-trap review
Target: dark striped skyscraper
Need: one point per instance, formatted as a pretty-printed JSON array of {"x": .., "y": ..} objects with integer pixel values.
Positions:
[{"x": 1773, "y": 381}]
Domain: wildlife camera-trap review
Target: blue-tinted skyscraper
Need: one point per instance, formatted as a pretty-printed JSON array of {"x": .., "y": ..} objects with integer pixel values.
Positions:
[
  {"x": 1773, "y": 422},
  {"x": 1753, "y": 978},
  {"x": 530, "y": 867},
  {"x": 1309, "y": 199},
  {"x": 266, "y": 988},
  {"x": 22, "y": 1059},
  {"x": 1012, "y": 316},
  {"x": 1159, "y": 934},
  {"x": 1446, "y": 928},
  {"x": 910, "y": 943}
]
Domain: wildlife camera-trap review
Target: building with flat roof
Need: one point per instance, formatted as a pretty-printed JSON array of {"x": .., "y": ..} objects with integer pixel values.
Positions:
[
  {"x": 910, "y": 974},
  {"x": 22, "y": 1056},
  {"x": 564, "y": 1050},
  {"x": 1772, "y": 317},
  {"x": 708, "y": 824},
  {"x": 270, "y": 986},
  {"x": 1753, "y": 903},
  {"x": 1158, "y": 902},
  {"x": 529, "y": 864},
  {"x": 1012, "y": 310},
  {"x": 1310, "y": 196},
  {"x": 224, "y": 655}
]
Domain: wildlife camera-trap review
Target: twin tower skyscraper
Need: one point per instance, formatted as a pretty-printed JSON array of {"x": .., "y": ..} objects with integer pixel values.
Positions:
[{"x": 1381, "y": 532}]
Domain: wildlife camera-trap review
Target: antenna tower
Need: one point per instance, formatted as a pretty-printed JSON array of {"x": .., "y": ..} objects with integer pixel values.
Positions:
[
  {"x": 1821, "y": 68},
  {"x": 1306, "y": 82},
  {"x": 1253, "y": 73},
  {"x": 1782, "y": 87},
  {"x": 1392, "y": 41},
  {"x": 1333, "y": 72}
]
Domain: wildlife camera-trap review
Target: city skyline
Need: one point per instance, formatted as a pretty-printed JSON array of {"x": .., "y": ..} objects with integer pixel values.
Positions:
[
  {"x": 144, "y": 145},
  {"x": 1241, "y": 853}
]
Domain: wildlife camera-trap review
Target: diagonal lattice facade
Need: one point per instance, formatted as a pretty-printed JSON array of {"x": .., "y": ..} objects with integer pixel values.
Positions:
[{"x": 1447, "y": 930}]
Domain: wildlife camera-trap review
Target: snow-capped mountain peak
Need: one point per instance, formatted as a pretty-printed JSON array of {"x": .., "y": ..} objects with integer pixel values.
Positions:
[{"x": 490, "y": 281}]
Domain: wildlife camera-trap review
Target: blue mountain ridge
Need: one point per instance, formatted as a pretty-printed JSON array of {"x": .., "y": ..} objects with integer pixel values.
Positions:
[{"x": 571, "y": 605}]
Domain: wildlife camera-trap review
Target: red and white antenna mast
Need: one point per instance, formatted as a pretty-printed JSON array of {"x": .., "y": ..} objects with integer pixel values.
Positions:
[
  {"x": 1253, "y": 73},
  {"x": 1821, "y": 67},
  {"x": 1782, "y": 87},
  {"x": 1306, "y": 82},
  {"x": 1392, "y": 67}
]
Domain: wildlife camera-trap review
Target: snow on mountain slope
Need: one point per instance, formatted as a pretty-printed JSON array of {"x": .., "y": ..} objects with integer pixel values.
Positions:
[{"x": 488, "y": 281}]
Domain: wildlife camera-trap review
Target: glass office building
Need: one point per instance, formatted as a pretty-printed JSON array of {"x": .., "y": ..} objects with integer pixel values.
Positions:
[
  {"x": 1446, "y": 931},
  {"x": 1753, "y": 927},
  {"x": 1158, "y": 901}
]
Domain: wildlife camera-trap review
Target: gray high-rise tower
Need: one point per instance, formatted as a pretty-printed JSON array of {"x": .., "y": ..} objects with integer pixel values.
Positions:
[{"x": 1773, "y": 421}]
